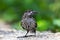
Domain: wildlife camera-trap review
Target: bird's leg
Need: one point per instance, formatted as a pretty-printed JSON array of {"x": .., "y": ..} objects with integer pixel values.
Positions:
[
  {"x": 26, "y": 33},
  {"x": 35, "y": 34},
  {"x": 24, "y": 36}
]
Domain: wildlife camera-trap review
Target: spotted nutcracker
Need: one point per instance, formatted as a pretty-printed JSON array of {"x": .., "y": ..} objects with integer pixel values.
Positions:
[{"x": 28, "y": 22}]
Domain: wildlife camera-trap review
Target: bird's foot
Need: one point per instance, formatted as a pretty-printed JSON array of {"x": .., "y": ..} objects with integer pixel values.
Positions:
[
  {"x": 26, "y": 36},
  {"x": 21, "y": 36}
]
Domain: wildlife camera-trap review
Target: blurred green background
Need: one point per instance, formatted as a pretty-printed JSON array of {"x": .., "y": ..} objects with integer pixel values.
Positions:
[{"x": 48, "y": 17}]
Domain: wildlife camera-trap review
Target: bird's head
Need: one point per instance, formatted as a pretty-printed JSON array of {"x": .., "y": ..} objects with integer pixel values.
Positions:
[{"x": 30, "y": 12}]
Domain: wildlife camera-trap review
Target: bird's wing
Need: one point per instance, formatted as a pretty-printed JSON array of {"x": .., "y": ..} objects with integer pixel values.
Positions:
[
  {"x": 24, "y": 24},
  {"x": 34, "y": 24}
]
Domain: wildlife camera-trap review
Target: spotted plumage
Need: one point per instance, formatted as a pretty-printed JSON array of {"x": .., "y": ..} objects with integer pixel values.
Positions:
[{"x": 28, "y": 22}]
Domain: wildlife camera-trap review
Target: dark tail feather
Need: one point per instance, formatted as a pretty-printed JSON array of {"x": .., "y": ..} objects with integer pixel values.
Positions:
[{"x": 33, "y": 31}]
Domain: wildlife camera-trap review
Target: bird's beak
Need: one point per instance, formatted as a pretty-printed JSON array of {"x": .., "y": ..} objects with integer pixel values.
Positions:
[{"x": 34, "y": 12}]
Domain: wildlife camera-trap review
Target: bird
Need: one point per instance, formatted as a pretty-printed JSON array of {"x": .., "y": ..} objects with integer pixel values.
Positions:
[{"x": 28, "y": 23}]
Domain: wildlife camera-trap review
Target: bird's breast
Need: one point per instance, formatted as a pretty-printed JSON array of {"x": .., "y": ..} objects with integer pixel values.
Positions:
[{"x": 29, "y": 20}]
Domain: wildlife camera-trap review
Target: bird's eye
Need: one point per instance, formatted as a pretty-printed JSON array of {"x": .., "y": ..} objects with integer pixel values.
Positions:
[{"x": 29, "y": 10}]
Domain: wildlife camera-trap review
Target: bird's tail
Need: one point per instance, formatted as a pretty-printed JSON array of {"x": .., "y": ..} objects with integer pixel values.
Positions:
[{"x": 33, "y": 31}]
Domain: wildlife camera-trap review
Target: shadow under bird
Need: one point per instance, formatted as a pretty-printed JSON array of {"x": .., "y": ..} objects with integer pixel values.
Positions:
[{"x": 28, "y": 23}]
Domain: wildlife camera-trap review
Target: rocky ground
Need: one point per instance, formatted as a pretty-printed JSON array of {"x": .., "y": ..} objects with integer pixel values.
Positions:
[
  {"x": 7, "y": 33},
  {"x": 47, "y": 35}
]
